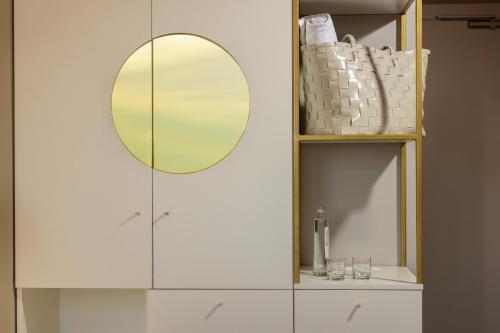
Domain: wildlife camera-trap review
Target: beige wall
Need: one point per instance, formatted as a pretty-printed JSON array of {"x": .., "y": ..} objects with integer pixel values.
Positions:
[
  {"x": 462, "y": 175},
  {"x": 6, "y": 246}
]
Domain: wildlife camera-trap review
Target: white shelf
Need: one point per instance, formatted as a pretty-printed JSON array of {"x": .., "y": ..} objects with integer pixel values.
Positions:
[
  {"x": 383, "y": 278},
  {"x": 351, "y": 7}
]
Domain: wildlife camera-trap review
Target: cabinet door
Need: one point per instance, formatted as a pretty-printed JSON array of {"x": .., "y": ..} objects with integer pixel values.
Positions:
[
  {"x": 77, "y": 187},
  {"x": 215, "y": 311},
  {"x": 358, "y": 311},
  {"x": 230, "y": 226}
]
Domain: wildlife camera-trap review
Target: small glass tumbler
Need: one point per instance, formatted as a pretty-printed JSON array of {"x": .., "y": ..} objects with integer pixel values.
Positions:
[
  {"x": 336, "y": 268},
  {"x": 361, "y": 268}
]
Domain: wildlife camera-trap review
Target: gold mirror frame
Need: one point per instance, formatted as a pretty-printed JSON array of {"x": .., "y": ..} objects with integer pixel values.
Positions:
[{"x": 180, "y": 103}]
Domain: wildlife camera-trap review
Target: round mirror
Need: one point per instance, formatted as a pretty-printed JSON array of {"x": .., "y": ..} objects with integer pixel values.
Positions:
[{"x": 180, "y": 103}]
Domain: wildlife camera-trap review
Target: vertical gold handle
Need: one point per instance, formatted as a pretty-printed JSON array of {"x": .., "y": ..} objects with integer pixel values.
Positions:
[
  {"x": 214, "y": 309},
  {"x": 357, "y": 306},
  {"x": 165, "y": 213}
]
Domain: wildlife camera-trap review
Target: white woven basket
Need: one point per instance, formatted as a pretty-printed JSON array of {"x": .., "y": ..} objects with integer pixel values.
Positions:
[{"x": 354, "y": 89}]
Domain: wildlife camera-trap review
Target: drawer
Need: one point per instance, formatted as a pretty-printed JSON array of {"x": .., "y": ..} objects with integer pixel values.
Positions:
[
  {"x": 220, "y": 311},
  {"x": 358, "y": 311}
]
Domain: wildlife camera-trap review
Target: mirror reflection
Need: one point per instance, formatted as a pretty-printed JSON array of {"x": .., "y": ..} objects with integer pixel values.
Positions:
[
  {"x": 200, "y": 103},
  {"x": 131, "y": 104}
]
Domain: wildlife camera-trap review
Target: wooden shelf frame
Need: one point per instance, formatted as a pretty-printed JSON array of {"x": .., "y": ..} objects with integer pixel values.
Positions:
[
  {"x": 356, "y": 138},
  {"x": 357, "y": 7},
  {"x": 299, "y": 139}
]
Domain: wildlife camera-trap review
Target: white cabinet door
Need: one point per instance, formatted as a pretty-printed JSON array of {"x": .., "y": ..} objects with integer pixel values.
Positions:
[
  {"x": 218, "y": 311},
  {"x": 358, "y": 311},
  {"x": 77, "y": 187},
  {"x": 230, "y": 226}
]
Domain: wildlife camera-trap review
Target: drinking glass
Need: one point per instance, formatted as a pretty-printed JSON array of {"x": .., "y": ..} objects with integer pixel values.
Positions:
[
  {"x": 361, "y": 268},
  {"x": 336, "y": 268}
]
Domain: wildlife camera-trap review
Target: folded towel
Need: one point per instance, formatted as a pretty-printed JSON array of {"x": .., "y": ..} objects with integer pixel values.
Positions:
[{"x": 316, "y": 29}]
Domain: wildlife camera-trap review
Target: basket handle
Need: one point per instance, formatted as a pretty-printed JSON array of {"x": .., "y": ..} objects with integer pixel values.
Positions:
[
  {"x": 391, "y": 50},
  {"x": 349, "y": 38}
]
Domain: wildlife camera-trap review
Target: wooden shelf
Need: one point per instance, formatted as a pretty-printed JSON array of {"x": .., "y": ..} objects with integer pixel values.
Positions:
[
  {"x": 383, "y": 278},
  {"x": 409, "y": 34},
  {"x": 353, "y": 7},
  {"x": 356, "y": 138}
]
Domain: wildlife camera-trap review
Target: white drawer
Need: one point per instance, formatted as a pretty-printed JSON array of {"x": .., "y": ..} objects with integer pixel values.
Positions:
[
  {"x": 220, "y": 311},
  {"x": 358, "y": 311}
]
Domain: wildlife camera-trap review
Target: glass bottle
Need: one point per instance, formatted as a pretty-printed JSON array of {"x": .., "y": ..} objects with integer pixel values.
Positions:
[{"x": 321, "y": 242}]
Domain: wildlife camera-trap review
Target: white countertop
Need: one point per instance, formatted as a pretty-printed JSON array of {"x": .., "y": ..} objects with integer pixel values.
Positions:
[{"x": 383, "y": 277}]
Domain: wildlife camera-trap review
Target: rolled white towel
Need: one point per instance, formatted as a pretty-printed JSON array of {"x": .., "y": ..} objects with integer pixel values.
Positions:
[
  {"x": 317, "y": 29},
  {"x": 314, "y": 29}
]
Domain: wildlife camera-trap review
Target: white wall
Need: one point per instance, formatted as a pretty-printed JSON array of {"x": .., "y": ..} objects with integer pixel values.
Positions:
[
  {"x": 6, "y": 246},
  {"x": 372, "y": 30},
  {"x": 461, "y": 174},
  {"x": 102, "y": 311}
]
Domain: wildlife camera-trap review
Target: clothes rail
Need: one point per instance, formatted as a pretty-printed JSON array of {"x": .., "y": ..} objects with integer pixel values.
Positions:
[{"x": 489, "y": 22}]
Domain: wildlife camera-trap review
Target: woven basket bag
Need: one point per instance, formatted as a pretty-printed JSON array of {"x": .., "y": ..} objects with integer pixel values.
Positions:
[{"x": 354, "y": 89}]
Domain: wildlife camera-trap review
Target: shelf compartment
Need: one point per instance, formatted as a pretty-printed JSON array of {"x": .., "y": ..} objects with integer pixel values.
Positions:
[
  {"x": 81, "y": 310},
  {"x": 359, "y": 186},
  {"x": 354, "y": 7},
  {"x": 375, "y": 23},
  {"x": 356, "y": 138},
  {"x": 383, "y": 278}
]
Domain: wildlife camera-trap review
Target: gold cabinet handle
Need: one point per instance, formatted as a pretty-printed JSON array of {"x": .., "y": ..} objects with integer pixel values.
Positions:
[
  {"x": 357, "y": 306},
  {"x": 130, "y": 218},
  {"x": 165, "y": 213},
  {"x": 214, "y": 309}
]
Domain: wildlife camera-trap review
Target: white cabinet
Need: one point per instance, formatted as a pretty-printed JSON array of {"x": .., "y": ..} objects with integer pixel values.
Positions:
[
  {"x": 216, "y": 311},
  {"x": 358, "y": 311},
  {"x": 77, "y": 187},
  {"x": 230, "y": 226},
  {"x": 83, "y": 202}
]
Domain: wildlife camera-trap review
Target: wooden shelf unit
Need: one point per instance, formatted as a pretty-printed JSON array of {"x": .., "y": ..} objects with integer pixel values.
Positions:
[
  {"x": 363, "y": 7},
  {"x": 355, "y": 7},
  {"x": 355, "y": 138}
]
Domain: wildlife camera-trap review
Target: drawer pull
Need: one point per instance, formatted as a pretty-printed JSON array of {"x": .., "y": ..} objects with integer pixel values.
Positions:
[
  {"x": 130, "y": 218},
  {"x": 165, "y": 213},
  {"x": 214, "y": 309},
  {"x": 353, "y": 311}
]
